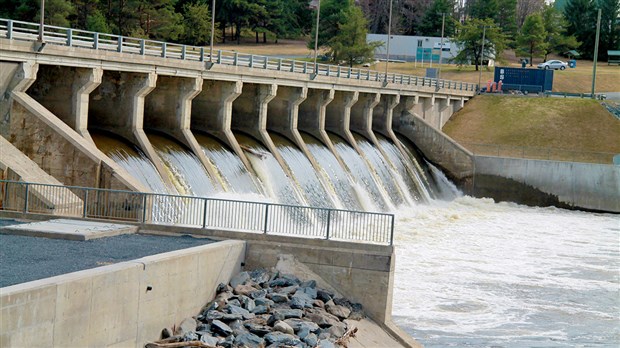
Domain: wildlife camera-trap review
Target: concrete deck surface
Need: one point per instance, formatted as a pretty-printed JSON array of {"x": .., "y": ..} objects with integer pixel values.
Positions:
[{"x": 69, "y": 229}]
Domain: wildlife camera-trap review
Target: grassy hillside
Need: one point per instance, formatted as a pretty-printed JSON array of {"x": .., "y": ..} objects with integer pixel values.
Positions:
[{"x": 535, "y": 127}]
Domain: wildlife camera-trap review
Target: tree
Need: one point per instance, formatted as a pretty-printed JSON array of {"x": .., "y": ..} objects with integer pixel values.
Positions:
[
  {"x": 482, "y": 9},
  {"x": 469, "y": 38},
  {"x": 581, "y": 18},
  {"x": 555, "y": 27},
  {"x": 332, "y": 15},
  {"x": 610, "y": 26},
  {"x": 197, "y": 23},
  {"x": 350, "y": 42},
  {"x": 506, "y": 16},
  {"x": 432, "y": 20},
  {"x": 526, "y": 8},
  {"x": 532, "y": 39}
]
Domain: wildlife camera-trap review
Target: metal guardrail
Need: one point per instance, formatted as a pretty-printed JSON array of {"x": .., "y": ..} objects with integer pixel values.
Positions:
[
  {"x": 201, "y": 212},
  {"x": 18, "y": 30},
  {"x": 542, "y": 153}
]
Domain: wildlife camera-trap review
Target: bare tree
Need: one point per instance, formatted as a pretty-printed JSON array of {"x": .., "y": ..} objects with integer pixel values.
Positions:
[{"x": 526, "y": 8}]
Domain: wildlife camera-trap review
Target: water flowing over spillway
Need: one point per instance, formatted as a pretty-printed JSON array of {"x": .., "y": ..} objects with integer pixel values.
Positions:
[
  {"x": 341, "y": 181},
  {"x": 131, "y": 159},
  {"x": 228, "y": 164},
  {"x": 304, "y": 174},
  {"x": 184, "y": 169}
]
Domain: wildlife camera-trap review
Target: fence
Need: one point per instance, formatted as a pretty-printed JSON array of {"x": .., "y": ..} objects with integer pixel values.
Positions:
[
  {"x": 206, "y": 213},
  {"x": 543, "y": 153},
  {"x": 17, "y": 30}
]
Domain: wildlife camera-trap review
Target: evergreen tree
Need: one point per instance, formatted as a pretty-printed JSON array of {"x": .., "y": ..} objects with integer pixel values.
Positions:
[
  {"x": 555, "y": 27},
  {"x": 469, "y": 38},
  {"x": 506, "y": 16},
  {"x": 482, "y": 9},
  {"x": 197, "y": 23},
  {"x": 581, "y": 18},
  {"x": 610, "y": 26},
  {"x": 532, "y": 39},
  {"x": 350, "y": 43},
  {"x": 432, "y": 20}
]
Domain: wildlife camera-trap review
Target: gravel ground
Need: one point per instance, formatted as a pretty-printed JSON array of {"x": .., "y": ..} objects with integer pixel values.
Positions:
[{"x": 24, "y": 259}]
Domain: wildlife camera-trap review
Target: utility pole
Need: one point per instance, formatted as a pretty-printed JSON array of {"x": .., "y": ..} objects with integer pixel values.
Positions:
[
  {"x": 212, "y": 31},
  {"x": 41, "y": 20},
  {"x": 598, "y": 31},
  {"x": 443, "y": 24},
  {"x": 484, "y": 28},
  {"x": 387, "y": 58},
  {"x": 316, "y": 36}
]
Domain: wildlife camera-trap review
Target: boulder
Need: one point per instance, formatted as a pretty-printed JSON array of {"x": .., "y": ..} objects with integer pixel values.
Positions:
[
  {"x": 290, "y": 313},
  {"x": 326, "y": 344},
  {"x": 239, "y": 279},
  {"x": 249, "y": 340},
  {"x": 244, "y": 289},
  {"x": 321, "y": 318},
  {"x": 283, "y": 327},
  {"x": 260, "y": 309},
  {"x": 341, "y": 312},
  {"x": 281, "y": 339},
  {"x": 219, "y": 327},
  {"x": 187, "y": 325},
  {"x": 324, "y": 295},
  {"x": 257, "y": 329},
  {"x": 312, "y": 340},
  {"x": 278, "y": 298},
  {"x": 231, "y": 309},
  {"x": 209, "y": 340}
]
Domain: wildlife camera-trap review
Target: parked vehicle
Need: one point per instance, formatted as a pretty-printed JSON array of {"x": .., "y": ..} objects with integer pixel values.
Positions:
[{"x": 553, "y": 64}]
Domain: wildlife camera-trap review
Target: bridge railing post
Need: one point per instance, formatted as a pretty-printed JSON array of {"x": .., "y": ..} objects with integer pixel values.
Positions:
[
  {"x": 251, "y": 60},
  {"x": 183, "y": 51},
  {"x": 69, "y": 37},
  {"x": 142, "y": 47},
  {"x": 9, "y": 29},
  {"x": 279, "y": 64},
  {"x": 119, "y": 47},
  {"x": 163, "y": 49},
  {"x": 96, "y": 41},
  {"x": 266, "y": 62}
]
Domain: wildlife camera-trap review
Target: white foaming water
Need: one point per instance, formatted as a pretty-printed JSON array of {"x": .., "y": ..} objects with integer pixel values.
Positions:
[{"x": 474, "y": 273}]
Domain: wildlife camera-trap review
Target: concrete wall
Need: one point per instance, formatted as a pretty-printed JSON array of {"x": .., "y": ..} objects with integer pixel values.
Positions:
[
  {"x": 536, "y": 182},
  {"x": 110, "y": 306}
]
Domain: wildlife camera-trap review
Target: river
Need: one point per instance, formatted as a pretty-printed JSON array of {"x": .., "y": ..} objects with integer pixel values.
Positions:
[{"x": 474, "y": 273}]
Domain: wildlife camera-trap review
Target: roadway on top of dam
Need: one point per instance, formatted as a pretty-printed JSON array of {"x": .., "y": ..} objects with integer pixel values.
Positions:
[{"x": 75, "y": 48}]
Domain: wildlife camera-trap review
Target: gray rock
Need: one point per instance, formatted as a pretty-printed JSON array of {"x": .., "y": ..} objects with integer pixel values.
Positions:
[
  {"x": 324, "y": 295},
  {"x": 190, "y": 336},
  {"x": 301, "y": 300},
  {"x": 264, "y": 302},
  {"x": 239, "y": 279},
  {"x": 326, "y": 344},
  {"x": 318, "y": 303},
  {"x": 249, "y": 340},
  {"x": 234, "y": 302},
  {"x": 166, "y": 332},
  {"x": 311, "y": 292},
  {"x": 237, "y": 327},
  {"x": 258, "y": 294},
  {"x": 281, "y": 338},
  {"x": 209, "y": 340},
  {"x": 260, "y": 330},
  {"x": 287, "y": 290},
  {"x": 300, "y": 324},
  {"x": 308, "y": 284},
  {"x": 321, "y": 318},
  {"x": 219, "y": 327},
  {"x": 231, "y": 317},
  {"x": 275, "y": 297},
  {"x": 247, "y": 303},
  {"x": 303, "y": 333},
  {"x": 222, "y": 288},
  {"x": 238, "y": 310},
  {"x": 187, "y": 325},
  {"x": 337, "y": 331},
  {"x": 341, "y": 312},
  {"x": 275, "y": 316},
  {"x": 227, "y": 342},
  {"x": 289, "y": 313},
  {"x": 312, "y": 340},
  {"x": 260, "y": 276},
  {"x": 260, "y": 309},
  {"x": 283, "y": 327}
]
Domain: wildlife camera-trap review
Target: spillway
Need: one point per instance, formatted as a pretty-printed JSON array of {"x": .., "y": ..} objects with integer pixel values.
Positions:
[
  {"x": 304, "y": 174},
  {"x": 230, "y": 168},
  {"x": 132, "y": 159},
  {"x": 184, "y": 169}
]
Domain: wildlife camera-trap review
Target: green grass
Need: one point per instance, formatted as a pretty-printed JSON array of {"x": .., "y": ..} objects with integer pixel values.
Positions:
[{"x": 557, "y": 128}]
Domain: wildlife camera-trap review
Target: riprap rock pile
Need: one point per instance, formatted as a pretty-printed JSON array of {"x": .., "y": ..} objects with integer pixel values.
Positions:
[{"x": 267, "y": 309}]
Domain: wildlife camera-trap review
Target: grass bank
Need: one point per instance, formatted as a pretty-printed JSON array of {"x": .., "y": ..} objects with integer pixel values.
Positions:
[{"x": 533, "y": 127}]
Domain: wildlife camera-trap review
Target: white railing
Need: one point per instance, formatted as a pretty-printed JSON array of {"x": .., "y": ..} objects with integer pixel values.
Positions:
[{"x": 18, "y": 30}]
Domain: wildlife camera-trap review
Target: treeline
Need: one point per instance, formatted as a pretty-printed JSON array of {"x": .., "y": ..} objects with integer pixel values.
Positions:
[{"x": 531, "y": 27}]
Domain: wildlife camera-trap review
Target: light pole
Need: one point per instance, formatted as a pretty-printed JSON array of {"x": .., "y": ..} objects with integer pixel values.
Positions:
[
  {"x": 484, "y": 28},
  {"x": 212, "y": 31},
  {"x": 42, "y": 15},
  {"x": 387, "y": 58},
  {"x": 443, "y": 24},
  {"x": 316, "y": 36},
  {"x": 598, "y": 31}
]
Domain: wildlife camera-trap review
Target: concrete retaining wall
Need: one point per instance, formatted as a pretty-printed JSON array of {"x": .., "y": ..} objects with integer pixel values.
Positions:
[
  {"x": 110, "y": 306},
  {"x": 535, "y": 182}
]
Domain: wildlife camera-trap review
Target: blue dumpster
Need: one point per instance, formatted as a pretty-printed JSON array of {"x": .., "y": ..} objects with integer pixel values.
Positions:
[{"x": 572, "y": 63}]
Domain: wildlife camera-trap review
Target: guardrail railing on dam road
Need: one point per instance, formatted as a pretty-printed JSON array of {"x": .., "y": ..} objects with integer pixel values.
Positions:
[
  {"x": 202, "y": 212},
  {"x": 18, "y": 30}
]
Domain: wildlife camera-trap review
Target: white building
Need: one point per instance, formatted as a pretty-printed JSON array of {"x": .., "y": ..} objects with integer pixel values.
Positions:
[{"x": 414, "y": 48}]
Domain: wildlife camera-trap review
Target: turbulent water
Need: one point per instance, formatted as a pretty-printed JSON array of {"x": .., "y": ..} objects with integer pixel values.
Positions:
[{"x": 474, "y": 273}]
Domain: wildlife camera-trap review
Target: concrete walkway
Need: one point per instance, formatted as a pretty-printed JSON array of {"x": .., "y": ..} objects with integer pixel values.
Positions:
[{"x": 69, "y": 229}]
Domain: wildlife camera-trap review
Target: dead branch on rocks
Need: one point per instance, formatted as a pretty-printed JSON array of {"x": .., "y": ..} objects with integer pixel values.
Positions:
[
  {"x": 178, "y": 345},
  {"x": 344, "y": 340}
]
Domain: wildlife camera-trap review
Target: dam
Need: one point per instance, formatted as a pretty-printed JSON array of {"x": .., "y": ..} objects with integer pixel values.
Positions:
[{"x": 148, "y": 125}]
